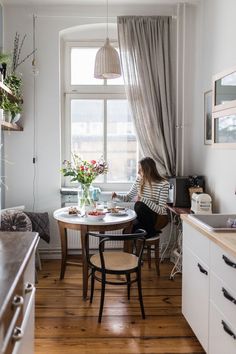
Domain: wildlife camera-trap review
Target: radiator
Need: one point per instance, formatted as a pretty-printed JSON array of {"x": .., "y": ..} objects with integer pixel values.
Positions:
[{"x": 74, "y": 240}]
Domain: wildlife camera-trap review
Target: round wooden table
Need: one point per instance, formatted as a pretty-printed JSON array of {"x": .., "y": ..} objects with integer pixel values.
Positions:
[{"x": 84, "y": 225}]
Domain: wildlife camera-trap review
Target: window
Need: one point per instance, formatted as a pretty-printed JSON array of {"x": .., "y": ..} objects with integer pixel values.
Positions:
[{"x": 97, "y": 118}]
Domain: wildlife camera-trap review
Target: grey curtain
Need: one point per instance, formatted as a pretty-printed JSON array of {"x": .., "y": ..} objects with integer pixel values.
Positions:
[{"x": 146, "y": 64}]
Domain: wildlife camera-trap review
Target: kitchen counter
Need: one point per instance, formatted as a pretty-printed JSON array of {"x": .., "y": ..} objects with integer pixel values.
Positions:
[
  {"x": 17, "y": 291},
  {"x": 15, "y": 250},
  {"x": 226, "y": 240}
]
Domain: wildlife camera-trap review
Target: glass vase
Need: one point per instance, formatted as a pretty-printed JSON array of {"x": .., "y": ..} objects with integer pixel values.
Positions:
[{"x": 85, "y": 201}]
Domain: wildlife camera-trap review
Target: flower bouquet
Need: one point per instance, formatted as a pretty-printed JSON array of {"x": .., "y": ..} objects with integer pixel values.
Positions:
[{"x": 84, "y": 172}]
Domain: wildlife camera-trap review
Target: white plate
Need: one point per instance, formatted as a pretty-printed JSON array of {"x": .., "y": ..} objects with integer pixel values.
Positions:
[
  {"x": 120, "y": 213},
  {"x": 67, "y": 215}
]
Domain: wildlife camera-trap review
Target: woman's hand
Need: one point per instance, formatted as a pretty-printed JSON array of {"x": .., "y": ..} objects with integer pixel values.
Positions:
[{"x": 114, "y": 195}]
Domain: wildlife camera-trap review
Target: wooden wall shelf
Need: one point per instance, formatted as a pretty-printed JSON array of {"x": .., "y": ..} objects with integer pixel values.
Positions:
[
  {"x": 4, "y": 88},
  {"x": 10, "y": 126},
  {"x": 6, "y": 125}
]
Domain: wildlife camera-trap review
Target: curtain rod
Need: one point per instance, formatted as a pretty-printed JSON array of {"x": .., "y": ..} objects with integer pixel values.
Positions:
[{"x": 174, "y": 17}]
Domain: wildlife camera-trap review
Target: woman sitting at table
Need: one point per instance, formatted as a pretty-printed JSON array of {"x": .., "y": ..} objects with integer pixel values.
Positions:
[{"x": 150, "y": 192}]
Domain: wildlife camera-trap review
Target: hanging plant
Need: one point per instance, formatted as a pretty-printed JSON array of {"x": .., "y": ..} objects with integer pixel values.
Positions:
[{"x": 17, "y": 49}]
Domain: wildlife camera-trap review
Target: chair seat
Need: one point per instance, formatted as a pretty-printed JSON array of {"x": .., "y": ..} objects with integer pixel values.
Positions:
[
  {"x": 116, "y": 261},
  {"x": 151, "y": 239}
]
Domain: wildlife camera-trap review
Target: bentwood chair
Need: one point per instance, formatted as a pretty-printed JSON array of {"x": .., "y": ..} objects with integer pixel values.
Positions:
[{"x": 107, "y": 263}]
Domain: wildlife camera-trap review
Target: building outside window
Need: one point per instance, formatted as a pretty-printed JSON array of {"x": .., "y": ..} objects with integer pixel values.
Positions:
[{"x": 97, "y": 118}]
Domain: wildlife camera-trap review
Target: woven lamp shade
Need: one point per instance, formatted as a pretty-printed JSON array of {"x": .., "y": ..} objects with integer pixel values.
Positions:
[{"x": 107, "y": 62}]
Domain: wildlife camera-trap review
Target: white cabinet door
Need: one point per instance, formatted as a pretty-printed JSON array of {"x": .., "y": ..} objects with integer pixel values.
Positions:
[
  {"x": 222, "y": 335},
  {"x": 195, "y": 295}
]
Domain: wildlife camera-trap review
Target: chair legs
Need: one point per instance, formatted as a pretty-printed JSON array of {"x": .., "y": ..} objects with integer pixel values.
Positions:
[
  {"x": 102, "y": 297},
  {"x": 128, "y": 285},
  {"x": 156, "y": 244},
  {"x": 140, "y": 294},
  {"x": 92, "y": 286},
  {"x": 157, "y": 256}
]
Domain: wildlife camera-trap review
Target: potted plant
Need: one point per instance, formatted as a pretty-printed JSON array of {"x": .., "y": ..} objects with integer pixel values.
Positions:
[
  {"x": 11, "y": 109},
  {"x": 4, "y": 60},
  {"x": 14, "y": 81}
]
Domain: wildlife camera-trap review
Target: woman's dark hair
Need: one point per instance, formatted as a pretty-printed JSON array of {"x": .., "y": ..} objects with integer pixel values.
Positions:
[{"x": 150, "y": 173}]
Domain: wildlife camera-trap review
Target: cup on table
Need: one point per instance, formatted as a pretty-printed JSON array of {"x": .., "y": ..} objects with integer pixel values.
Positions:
[
  {"x": 111, "y": 205},
  {"x": 99, "y": 206}
]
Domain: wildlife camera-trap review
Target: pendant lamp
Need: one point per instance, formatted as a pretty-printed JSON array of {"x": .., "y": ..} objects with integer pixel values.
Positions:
[{"x": 107, "y": 62}]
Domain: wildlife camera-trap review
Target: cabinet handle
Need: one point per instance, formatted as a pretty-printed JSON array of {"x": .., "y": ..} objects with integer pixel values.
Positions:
[
  {"x": 17, "y": 334},
  {"x": 202, "y": 270},
  {"x": 10, "y": 330},
  {"x": 18, "y": 301},
  {"x": 228, "y": 296},
  {"x": 28, "y": 288},
  {"x": 228, "y": 330},
  {"x": 229, "y": 262}
]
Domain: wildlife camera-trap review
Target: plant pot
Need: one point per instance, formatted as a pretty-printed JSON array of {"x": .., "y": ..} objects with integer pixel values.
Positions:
[
  {"x": 15, "y": 118},
  {"x": 7, "y": 116}
]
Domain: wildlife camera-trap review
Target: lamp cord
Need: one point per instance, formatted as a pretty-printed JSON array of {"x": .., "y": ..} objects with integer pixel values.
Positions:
[
  {"x": 34, "y": 119},
  {"x": 107, "y": 18}
]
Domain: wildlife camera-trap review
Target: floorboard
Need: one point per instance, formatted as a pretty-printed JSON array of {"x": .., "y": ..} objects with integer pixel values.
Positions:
[{"x": 65, "y": 324}]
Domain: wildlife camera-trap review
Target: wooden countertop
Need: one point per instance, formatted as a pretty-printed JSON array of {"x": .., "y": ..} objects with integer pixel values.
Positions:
[
  {"x": 15, "y": 251},
  {"x": 226, "y": 240}
]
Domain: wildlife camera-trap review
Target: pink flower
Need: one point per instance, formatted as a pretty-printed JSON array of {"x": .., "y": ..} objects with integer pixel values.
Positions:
[{"x": 93, "y": 162}]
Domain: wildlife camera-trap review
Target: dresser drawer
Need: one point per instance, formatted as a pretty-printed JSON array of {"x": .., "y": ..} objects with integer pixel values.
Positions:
[
  {"x": 28, "y": 281},
  {"x": 224, "y": 298},
  {"x": 12, "y": 317},
  {"x": 222, "y": 334},
  {"x": 224, "y": 266},
  {"x": 198, "y": 243},
  {"x": 25, "y": 344}
]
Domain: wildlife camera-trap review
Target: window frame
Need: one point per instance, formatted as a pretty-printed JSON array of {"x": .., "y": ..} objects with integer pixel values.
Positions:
[{"x": 71, "y": 92}]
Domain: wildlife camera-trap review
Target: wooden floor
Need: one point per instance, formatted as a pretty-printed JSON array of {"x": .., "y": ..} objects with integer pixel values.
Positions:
[{"x": 67, "y": 324}]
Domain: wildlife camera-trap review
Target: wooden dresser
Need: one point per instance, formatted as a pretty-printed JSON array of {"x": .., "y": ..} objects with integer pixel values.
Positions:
[{"x": 17, "y": 291}]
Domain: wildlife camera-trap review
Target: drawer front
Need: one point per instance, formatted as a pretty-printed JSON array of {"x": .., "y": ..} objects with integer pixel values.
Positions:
[
  {"x": 25, "y": 345},
  {"x": 29, "y": 281},
  {"x": 224, "y": 298},
  {"x": 221, "y": 338},
  {"x": 12, "y": 317},
  {"x": 224, "y": 266},
  {"x": 198, "y": 243},
  {"x": 195, "y": 295},
  {"x": 16, "y": 309}
]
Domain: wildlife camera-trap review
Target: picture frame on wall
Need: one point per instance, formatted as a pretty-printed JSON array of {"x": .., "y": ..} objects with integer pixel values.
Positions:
[{"x": 208, "y": 117}]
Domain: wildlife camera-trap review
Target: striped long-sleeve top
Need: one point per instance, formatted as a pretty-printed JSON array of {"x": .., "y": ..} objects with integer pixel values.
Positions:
[{"x": 155, "y": 198}]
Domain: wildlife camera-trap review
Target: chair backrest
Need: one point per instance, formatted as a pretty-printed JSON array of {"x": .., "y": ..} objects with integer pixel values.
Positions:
[
  {"x": 161, "y": 222},
  {"x": 139, "y": 235}
]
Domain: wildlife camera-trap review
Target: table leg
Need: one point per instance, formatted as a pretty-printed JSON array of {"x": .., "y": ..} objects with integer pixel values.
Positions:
[
  {"x": 128, "y": 245},
  {"x": 83, "y": 231},
  {"x": 63, "y": 235}
]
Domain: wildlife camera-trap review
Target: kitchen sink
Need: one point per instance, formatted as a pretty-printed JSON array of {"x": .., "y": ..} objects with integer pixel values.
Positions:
[{"x": 215, "y": 222}]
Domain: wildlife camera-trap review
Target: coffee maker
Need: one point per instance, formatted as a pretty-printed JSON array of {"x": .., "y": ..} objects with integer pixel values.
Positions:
[{"x": 179, "y": 189}]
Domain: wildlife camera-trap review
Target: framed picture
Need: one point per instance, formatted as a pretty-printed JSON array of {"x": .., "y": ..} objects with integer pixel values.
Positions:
[{"x": 208, "y": 117}]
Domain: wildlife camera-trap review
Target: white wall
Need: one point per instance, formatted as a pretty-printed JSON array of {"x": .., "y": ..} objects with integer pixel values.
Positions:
[
  {"x": 19, "y": 145},
  {"x": 215, "y": 51}
]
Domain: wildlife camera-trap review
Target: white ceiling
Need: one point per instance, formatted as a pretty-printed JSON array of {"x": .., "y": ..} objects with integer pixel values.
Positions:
[{"x": 92, "y": 2}]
